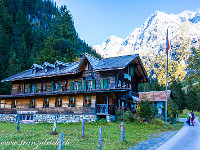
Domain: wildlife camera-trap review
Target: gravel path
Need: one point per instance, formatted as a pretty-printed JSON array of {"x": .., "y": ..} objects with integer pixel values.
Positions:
[{"x": 154, "y": 141}]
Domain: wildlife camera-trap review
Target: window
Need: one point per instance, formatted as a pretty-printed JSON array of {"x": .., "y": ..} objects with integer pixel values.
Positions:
[
  {"x": 76, "y": 85},
  {"x": 20, "y": 89},
  {"x": 14, "y": 104},
  {"x": 72, "y": 101},
  {"x": 89, "y": 84},
  {"x": 32, "y": 88},
  {"x": 65, "y": 88},
  {"x": 46, "y": 102},
  {"x": 32, "y": 103},
  {"x": 55, "y": 86},
  {"x": 58, "y": 102},
  {"x": 87, "y": 101},
  {"x": 27, "y": 117},
  {"x": 44, "y": 87}
]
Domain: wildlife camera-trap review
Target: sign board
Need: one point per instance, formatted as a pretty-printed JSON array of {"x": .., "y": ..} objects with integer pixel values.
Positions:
[{"x": 127, "y": 76}]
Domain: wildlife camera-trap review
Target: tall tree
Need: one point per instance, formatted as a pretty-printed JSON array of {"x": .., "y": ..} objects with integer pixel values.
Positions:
[{"x": 178, "y": 94}]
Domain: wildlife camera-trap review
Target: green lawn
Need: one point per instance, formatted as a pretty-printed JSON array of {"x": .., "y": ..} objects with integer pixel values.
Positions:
[{"x": 38, "y": 135}]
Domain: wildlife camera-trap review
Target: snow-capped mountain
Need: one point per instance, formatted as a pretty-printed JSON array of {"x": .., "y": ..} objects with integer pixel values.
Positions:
[
  {"x": 149, "y": 41},
  {"x": 150, "y": 38},
  {"x": 109, "y": 47}
]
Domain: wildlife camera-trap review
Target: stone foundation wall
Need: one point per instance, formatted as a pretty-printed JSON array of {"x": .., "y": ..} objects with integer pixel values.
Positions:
[
  {"x": 8, "y": 117},
  {"x": 49, "y": 118}
]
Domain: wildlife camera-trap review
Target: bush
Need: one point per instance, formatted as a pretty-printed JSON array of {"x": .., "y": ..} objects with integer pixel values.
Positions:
[
  {"x": 101, "y": 120},
  {"x": 124, "y": 116}
]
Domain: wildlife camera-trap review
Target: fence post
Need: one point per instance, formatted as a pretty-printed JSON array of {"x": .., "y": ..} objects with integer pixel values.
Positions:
[
  {"x": 122, "y": 132},
  {"x": 83, "y": 127},
  {"x": 60, "y": 141},
  {"x": 55, "y": 123},
  {"x": 18, "y": 121},
  {"x": 100, "y": 136}
]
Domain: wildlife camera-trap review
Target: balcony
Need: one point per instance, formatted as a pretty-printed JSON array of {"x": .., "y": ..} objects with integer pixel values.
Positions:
[{"x": 101, "y": 109}]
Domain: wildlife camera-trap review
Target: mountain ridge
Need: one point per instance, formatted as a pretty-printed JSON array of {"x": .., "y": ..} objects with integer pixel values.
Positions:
[{"x": 149, "y": 41}]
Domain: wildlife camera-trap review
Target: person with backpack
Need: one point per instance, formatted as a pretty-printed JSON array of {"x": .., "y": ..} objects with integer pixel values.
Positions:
[{"x": 192, "y": 118}]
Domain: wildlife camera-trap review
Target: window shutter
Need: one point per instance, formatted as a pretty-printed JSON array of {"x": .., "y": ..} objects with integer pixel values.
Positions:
[
  {"x": 93, "y": 84},
  {"x": 71, "y": 86},
  {"x": 29, "y": 88},
  {"x": 52, "y": 86},
  {"x": 105, "y": 83},
  {"x": 102, "y": 83},
  {"x": 85, "y": 85},
  {"x": 131, "y": 70},
  {"x": 59, "y": 86},
  {"x": 35, "y": 89},
  {"x": 79, "y": 85}
]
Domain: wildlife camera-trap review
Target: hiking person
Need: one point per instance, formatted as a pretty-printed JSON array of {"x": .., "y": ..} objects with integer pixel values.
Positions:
[
  {"x": 188, "y": 118},
  {"x": 192, "y": 118}
]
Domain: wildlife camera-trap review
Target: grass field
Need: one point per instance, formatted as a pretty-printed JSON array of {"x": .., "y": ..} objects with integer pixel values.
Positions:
[{"x": 37, "y": 136}]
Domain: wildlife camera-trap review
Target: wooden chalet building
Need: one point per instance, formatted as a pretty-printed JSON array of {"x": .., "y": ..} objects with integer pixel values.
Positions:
[{"x": 88, "y": 88}]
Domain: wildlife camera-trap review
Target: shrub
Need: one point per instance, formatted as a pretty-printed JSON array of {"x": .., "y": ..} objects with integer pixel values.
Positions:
[
  {"x": 124, "y": 116},
  {"x": 101, "y": 120}
]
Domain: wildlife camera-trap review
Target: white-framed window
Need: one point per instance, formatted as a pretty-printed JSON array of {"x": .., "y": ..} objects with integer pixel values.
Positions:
[
  {"x": 87, "y": 101},
  {"x": 27, "y": 117},
  {"x": 76, "y": 85},
  {"x": 46, "y": 102},
  {"x": 14, "y": 103},
  {"x": 20, "y": 89},
  {"x": 89, "y": 84},
  {"x": 72, "y": 101},
  {"x": 58, "y": 102},
  {"x": 32, "y": 103},
  {"x": 44, "y": 87}
]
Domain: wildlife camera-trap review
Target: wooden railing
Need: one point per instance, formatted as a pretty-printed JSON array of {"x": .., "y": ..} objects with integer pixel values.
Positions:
[{"x": 101, "y": 109}]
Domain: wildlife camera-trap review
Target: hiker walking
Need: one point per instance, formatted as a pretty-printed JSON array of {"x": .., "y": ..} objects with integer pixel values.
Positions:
[
  {"x": 192, "y": 118},
  {"x": 188, "y": 118}
]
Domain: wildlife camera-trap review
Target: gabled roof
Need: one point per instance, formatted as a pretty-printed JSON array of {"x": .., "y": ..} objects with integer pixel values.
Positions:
[
  {"x": 157, "y": 96},
  {"x": 113, "y": 63}
]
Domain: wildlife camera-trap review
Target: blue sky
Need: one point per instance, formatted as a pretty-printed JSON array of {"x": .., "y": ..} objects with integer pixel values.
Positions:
[{"x": 96, "y": 20}]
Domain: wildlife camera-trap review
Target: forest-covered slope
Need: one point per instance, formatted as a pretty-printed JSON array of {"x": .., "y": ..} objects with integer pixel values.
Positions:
[{"x": 35, "y": 31}]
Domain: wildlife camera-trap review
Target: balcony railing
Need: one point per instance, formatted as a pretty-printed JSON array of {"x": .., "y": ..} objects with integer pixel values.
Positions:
[{"x": 101, "y": 109}]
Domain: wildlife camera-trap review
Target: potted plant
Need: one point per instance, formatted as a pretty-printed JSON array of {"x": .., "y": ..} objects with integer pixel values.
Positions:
[
  {"x": 13, "y": 106},
  {"x": 87, "y": 105},
  {"x": 32, "y": 106},
  {"x": 59, "y": 105},
  {"x": 72, "y": 105},
  {"x": 46, "y": 105}
]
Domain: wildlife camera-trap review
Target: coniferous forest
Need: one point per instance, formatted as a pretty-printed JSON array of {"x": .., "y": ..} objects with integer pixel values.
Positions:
[{"x": 35, "y": 31}]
